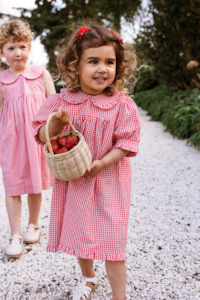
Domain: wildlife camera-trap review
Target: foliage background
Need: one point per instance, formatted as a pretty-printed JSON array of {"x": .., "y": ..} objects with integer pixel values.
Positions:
[
  {"x": 171, "y": 41},
  {"x": 50, "y": 22}
]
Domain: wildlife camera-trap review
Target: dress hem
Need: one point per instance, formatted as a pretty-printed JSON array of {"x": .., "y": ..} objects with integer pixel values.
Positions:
[
  {"x": 26, "y": 190},
  {"x": 87, "y": 255}
]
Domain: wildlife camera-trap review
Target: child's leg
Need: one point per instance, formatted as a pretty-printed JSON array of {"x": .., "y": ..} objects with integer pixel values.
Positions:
[
  {"x": 13, "y": 206},
  {"x": 32, "y": 234},
  {"x": 34, "y": 205},
  {"x": 116, "y": 271},
  {"x": 86, "y": 267}
]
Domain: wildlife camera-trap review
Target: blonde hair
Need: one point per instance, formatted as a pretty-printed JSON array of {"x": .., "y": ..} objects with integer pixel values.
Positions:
[
  {"x": 15, "y": 30},
  {"x": 70, "y": 53}
]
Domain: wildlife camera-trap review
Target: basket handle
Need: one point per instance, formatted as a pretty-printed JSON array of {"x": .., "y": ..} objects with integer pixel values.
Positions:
[{"x": 47, "y": 132}]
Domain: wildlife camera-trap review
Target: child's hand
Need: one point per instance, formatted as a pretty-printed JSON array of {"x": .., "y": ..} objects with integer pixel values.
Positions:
[
  {"x": 58, "y": 121},
  {"x": 61, "y": 117},
  {"x": 95, "y": 168},
  {"x": 110, "y": 158}
]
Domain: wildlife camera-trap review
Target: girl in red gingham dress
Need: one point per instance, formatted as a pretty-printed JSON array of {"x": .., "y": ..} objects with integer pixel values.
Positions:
[{"x": 89, "y": 216}]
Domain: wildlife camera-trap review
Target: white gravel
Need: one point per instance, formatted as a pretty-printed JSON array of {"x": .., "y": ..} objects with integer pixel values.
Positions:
[{"x": 163, "y": 239}]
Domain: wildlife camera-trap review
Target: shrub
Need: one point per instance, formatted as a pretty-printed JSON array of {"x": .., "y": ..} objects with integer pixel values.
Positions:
[{"x": 178, "y": 111}]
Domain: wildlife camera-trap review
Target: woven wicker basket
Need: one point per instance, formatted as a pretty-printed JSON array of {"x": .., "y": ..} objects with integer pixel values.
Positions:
[{"x": 72, "y": 164}]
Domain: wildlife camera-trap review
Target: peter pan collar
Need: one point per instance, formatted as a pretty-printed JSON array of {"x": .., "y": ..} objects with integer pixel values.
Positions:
[
  {"x": 102, "y": 101},
  {"x": 7, "y": 77}
]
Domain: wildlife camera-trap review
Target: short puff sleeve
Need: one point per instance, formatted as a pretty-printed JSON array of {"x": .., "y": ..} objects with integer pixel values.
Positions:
[{"x": 127, "y": 127}]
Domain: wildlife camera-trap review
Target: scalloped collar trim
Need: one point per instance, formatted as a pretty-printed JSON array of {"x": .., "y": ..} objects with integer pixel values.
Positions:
[
  {"x": 102, "y": 101},
  {"x": 7, "y": 77}
]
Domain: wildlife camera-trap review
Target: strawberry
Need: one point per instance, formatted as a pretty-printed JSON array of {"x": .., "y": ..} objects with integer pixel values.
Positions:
[
  {"x": 61, "y": 141},
  {"x": 72, "y": 147},
  {"x": 62, "y": 150},
  {"x": 76, "y": 139},
  {"x": 54, "y": 146},
  {"x": 69, "y": 141}
]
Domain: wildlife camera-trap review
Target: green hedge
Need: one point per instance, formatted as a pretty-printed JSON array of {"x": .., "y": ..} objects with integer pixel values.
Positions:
[{"x": 178, "y": 111}]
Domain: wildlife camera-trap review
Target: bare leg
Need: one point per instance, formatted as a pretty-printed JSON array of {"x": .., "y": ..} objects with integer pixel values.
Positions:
[
  {"x": 87, "y": 269},
  {"x": 116, "y": 271},
  {"x": 13, "y": 206},
  {"x": 34, "y": 205}
]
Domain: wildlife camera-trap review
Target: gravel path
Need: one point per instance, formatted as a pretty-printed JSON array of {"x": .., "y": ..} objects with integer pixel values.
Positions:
[{"x": 163, "y": 239}]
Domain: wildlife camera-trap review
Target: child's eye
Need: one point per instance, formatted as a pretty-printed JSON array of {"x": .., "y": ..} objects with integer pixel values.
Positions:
[
  {"x": 23, "y": 47},
  {"x": 94, "y": 61},
  {"x": 110, "y": 62},
  {"x": 10, "y": 48}
]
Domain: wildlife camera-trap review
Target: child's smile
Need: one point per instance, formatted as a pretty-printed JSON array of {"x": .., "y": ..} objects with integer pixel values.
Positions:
[{"x": 97, "y": 69}]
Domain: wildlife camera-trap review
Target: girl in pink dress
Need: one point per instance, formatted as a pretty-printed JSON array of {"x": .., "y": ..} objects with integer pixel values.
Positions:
[
  {"x": 23, "y": 89},
  {"x": 89, "y": 216}
]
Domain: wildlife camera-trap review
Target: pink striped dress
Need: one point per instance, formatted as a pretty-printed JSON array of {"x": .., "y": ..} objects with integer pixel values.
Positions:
[
  {"x": 89, "y": 216},
  {"x": 22, "y": 160}
]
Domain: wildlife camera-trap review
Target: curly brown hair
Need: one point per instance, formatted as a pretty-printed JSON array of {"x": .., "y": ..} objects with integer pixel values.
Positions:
[
  {"x": 15, "y": 30},
  {"x": 69, "y": 55}
]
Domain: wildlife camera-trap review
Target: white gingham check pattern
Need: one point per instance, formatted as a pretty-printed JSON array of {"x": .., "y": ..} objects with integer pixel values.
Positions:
[{"x": 89, "y": 216}]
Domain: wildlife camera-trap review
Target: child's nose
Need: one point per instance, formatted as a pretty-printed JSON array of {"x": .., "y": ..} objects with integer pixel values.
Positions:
[
  {"x": 102, "y": 67},
  {"x": 17, "y": 51}
]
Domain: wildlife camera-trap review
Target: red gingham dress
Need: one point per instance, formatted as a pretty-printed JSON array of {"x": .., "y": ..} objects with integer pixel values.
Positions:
[
  {"x": 22, "y": 160},
  {"x": 89, "y": 216}
]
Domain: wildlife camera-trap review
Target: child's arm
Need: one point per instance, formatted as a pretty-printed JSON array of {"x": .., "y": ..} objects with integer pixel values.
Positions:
[
  {"x": 58, "y": 121},
  {"x": 49, "y": 84},
  {"x": 110, "y": 158}
]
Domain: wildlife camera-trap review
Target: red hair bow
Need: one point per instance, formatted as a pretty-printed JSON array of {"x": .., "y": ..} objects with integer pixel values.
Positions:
[
  {"x": 120, "y": 40},
  {"x": 82, "y": 31}
]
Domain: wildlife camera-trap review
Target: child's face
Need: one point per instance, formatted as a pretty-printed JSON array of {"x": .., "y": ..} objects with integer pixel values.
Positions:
[
  {"x": 16, "y": 54},
  {"x": 97, "y": 69}
]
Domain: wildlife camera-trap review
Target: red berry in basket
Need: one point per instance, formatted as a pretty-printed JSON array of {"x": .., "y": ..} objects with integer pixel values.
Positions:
[
  {"x": 61, "y": 141},
  {"x": 72, "y": 147},
  {"x": 76, "y": 139},
  {"x": 54, "y": 145},
  {"x": 62, "y": 150},
  {"x": 69, "y": 140}
]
